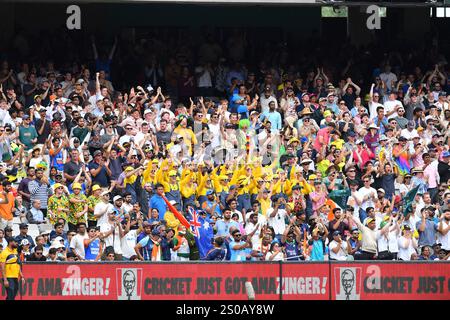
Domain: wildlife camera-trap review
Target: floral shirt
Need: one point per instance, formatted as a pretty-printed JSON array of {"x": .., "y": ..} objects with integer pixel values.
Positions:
[
  {"x": 54, "y": 203},
  {"x": 92, "y": 201},
  {"x": 76, "y": 208}
]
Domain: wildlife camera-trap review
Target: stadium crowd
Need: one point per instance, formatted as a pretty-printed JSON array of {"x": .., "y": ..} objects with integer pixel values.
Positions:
[{"x": 206, "y": 156}]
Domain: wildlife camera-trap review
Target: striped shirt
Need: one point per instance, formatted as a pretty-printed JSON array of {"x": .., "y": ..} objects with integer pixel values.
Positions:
[{"x": 39, "y": 191}]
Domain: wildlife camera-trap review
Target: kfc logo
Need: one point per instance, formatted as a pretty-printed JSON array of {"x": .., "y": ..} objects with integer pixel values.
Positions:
[
  {"x": 129, "y": 284},
  {"x": 347, "y": 283}
]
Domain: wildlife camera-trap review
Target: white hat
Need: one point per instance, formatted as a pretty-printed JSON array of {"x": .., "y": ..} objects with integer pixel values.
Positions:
[
  {"x": 58, "y": 238},
  {"x": 117, "y": 198},
  {"x": 172, "y": 202},
  {"x": 56, "y": 245},
  {"x": 373, "y": 126},
  {"x": 147, "y": 111},
  {"x": 150, "y": 88}
]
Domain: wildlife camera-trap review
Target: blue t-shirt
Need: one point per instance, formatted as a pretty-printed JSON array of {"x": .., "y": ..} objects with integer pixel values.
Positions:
[
  {"x": 223, "y": 228},
  {"x": 158, "y": 202},
  {"x": 57, "y": 161},
  {"x": 292, "y": 250},
  {"x": 216, "y": 254},
  {"x": 92, "y": 250},
  {"x": 317, "y": 250},
  {"x": 238, "y": 255}
]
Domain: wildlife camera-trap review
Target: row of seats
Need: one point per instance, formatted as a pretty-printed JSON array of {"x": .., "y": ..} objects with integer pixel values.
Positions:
[{"x": 33, "y": 229}]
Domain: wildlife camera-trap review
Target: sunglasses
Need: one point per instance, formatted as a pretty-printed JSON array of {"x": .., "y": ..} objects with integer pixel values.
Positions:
[{"x": 237, "y": 235}]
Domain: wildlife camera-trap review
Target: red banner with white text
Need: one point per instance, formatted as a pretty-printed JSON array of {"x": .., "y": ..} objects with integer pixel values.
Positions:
[{"x": 228, "y": 281}]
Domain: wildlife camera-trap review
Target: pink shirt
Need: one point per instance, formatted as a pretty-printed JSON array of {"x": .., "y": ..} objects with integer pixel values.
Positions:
[
  {"x": 326, "y": 138},
  {"x": 431, "y": 175}
]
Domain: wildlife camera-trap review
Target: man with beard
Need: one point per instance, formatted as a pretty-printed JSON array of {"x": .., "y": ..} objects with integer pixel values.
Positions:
[{"x": 10, "y": 269}]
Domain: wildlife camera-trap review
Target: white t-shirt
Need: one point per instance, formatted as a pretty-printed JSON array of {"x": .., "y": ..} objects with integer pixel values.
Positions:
[
  {"x": 444, "y": 240},
  {"x": 389, "y": 243},
  {"x": 277, "y": 223},
  {"x": 341, "y": 254},
  {"x": 215, "y": 130},
  {"x": 408, "y": 134},
  {"x": 390, "y": 106},
  {"x": 373, "y": 109},
  {"x": 278, "y": 257},
  {"x": 77, "y": 244},
  {"x": 363, "y": 191},
  {"x": 128, "y": 242},
  {"x": 265, "y": 103},
  {"x": 204, "y": 81},
  {"x": 102, "y": 208},
  {"x": 249, "y": 229},
  {"x": 113, "y": 239},
  {"x": 405, "y": 253},
  {"x": 387, "y": 78}
]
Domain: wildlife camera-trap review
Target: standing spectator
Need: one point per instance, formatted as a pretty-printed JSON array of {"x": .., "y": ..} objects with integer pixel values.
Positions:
[
  {"x": 369, "y": 238},
  {"x": 77, "y": 243},
  {"x": 27, "y": 134},
  {"x": 10, "y": 269},
  {"x": 407, "y": 244},
  {"x": 112, "y": 233},
  {"x": 40, "y": 189},
  {"x": 6, "y": 205}
]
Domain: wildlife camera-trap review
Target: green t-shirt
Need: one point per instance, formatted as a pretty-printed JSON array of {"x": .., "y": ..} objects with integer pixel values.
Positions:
[
  {"x": 26, "y": 135},
  {"x": 80, "y": 133}
]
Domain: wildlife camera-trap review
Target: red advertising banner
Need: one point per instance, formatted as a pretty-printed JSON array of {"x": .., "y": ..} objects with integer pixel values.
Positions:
[
  {"x": 168, "y": 281},
  {"x": 227, "y": 281},
  {"x": 307, "y": 281},
  {"x": 390, "y": 281}
]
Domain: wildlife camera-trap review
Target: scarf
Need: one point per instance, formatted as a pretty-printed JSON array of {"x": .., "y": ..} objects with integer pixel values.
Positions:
[{"x": 156, "y": 251}]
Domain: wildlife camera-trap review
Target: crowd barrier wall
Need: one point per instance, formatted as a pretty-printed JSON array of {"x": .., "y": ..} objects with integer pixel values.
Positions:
[{"x": 227, "y": 281}]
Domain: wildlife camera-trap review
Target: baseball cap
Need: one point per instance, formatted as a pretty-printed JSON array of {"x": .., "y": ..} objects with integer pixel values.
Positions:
[
  {"x": 147, "y": 111},
  {"x": 209, "y": 192},
  {"x": 117, "y": 198},
  {"x": 370, "y": 220},
  {"x": 336, "y": 233},
  {"x": 446, "y": 154},
  {"x": 94, "y": 187},
  {"x": 330, "y": 94},
  {"x": 25, "y": 117},
  {"x": 327, "y": 113},
  {"x": 172, "y": 173},
  {"x": 23, "y": 226},
  {"x": 381, "y": 190},
  {"x": 97, "y": 152}
]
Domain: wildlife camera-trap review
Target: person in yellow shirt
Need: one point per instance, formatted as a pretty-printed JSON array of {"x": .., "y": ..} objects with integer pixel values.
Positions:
[
  {"x": 10, "y": 269},
  {"x": 187, "y": 134},
  {"x": 172, "y": 189}
]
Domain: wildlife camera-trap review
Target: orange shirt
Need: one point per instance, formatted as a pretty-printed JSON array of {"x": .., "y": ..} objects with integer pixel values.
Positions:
[{"x": 6, "y": 209}]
